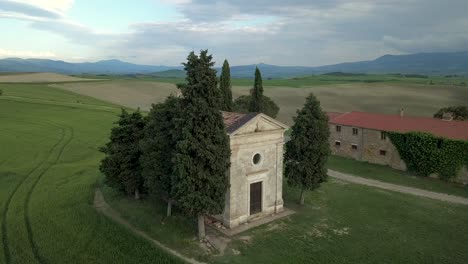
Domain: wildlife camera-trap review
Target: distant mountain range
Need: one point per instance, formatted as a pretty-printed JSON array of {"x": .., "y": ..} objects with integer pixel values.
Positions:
[
  {"x": 100, "y": 67},
  {"x": 442, "y": 63}
]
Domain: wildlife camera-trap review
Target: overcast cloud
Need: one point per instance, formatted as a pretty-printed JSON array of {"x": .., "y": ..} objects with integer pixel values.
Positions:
[{"x": 297, "y": 32}]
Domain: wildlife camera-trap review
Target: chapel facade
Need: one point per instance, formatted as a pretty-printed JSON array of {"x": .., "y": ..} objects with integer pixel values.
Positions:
[{"x": 256, "y": 172}]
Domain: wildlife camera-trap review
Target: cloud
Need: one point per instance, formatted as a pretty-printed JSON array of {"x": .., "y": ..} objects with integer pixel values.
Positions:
[
  {"x": 58, "y": 5},
  {"x": 295, "y": 32},
  {"x": 26, "y": 54},
  {"x": 27, "y": 9}
]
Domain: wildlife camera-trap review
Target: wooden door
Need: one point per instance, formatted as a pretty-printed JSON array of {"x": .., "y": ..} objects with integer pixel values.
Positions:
[{"x": 255, "y": 198}]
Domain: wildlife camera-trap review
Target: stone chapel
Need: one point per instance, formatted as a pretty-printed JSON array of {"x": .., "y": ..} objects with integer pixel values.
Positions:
[{"x": 256, "y": 173}]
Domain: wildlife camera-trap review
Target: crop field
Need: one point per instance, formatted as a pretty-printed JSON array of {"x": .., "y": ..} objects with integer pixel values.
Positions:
[
  {"x": 48, "y": 170},
  {"x": 306, "y": 81},
  {"x": 386, "y": 97},
  {"x": 39, "y": 78},
  {"x": 49, "y": 160},
  {"x": 132, "y": 94}
]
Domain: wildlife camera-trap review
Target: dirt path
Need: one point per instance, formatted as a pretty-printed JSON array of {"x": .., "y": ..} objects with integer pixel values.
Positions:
[
  {"x": 101, "y": 206},
  {"x": 398, "y": 188}
]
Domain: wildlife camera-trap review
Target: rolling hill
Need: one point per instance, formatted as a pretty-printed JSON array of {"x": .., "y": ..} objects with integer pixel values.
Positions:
[
  {"x": 442, "y": 63},
  {"x": 57, "y": 66}
]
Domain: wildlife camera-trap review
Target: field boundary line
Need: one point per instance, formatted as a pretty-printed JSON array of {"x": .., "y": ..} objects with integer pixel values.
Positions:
[
  {"x": 10, "y": 197},
  {"x": 398, "y": 188},
  {"x": 103, "y": 207},
  {"x": 35, "y": 250}
]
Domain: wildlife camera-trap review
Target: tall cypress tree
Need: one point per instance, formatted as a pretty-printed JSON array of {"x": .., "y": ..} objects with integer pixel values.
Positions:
[
  {"x": 225, "y": 87},
  {"x": 121, "y": 166},
  {"x": 256, "y": 104},
  {"x": 158, "y": 149},
  {"x": 202, "y": 153},
  {"x": 308, "y": 150}
]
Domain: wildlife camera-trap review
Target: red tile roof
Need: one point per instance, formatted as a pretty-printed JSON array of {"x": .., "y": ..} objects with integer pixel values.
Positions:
[
  {"x": 233, "y": 121},
  {"x": 385, "y": 122}
]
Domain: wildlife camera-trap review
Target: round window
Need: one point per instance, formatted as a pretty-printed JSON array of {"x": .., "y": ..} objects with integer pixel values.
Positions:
[{"x": 256, "y": 159}]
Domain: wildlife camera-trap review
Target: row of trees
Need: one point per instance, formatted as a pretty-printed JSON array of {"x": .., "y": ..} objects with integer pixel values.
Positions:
[
  {"x": 256, "y": 101},
  {"x": 180, "y": 151}
]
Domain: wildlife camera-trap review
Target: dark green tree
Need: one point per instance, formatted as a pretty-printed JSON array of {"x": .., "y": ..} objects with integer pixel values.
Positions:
[
  {"x": 256, "y": 103},
  {"x": 457, "y": 112},
  {"x": 158, "y": 149},
  {"x": 202, "y": 153},
  {"x": 121, "y": 165},
  {"x": 242, "y": 104},
  {"x": 225, "y": 87},
  {"x": 308, "y": 150}
]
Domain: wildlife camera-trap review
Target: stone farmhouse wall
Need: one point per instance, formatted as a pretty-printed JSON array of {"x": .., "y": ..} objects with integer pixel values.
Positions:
[{"x": 370, "y": 145}]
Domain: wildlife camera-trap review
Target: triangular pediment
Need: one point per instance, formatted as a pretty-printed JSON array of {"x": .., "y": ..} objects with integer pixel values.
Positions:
[{"x": 260, "y": 123}]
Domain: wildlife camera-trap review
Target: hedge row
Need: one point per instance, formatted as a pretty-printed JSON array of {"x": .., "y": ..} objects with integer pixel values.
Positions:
[{"x": 425, "y": 153}]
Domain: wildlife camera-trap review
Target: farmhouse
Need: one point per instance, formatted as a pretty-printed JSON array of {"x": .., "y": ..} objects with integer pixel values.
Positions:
[
  {"x": 362, "y": 136},
  {"x": 256, "y": 173}
]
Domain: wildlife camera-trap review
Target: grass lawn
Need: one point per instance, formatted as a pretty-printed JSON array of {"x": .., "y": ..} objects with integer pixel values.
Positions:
[
  {"x": 48, "y": 171},
  {"x": 387, "y": 174},
  {"x": 340, "y": 223}
]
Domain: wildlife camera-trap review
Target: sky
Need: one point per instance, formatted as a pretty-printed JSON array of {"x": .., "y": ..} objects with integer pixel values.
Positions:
[{"x": 281, "y": 32}]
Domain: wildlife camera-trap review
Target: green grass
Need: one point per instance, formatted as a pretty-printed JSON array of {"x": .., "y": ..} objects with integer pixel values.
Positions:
[
  {"x": 340, "y": 223},
  {"x": 44, "y": 92},
  {"x": 149, "y": 215},
  {"x": 48, "y": 171},
  {"x": 387, "y": 174}
]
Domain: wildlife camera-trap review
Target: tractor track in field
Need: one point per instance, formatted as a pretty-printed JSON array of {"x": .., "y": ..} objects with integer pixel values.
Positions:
[
  {"x": 6, "y": 249},
  {"x": 27, "y": 221}
]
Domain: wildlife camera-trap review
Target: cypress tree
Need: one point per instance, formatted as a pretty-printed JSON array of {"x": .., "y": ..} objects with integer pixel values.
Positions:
[
  {"x": 121, "y": 164},
  {"x": 158, "y": 148},
  {"x": 225, "y": 87},
  {"x": 256, "y": 104},
  {"x": 256, "y": 101},
  {"x": 308, "y": 150},
  {"x": 202, "y": 153}
]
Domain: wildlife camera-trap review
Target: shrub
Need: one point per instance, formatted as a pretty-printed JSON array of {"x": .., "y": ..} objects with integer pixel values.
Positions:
[
  {"x": 425, "y": 153},
  {"x": 458, "y": 112}
]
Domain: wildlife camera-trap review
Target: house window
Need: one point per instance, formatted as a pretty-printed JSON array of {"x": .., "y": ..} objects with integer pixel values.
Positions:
[
  {"x": 353, "y": 146},
  {"x": 383, "y": 152},
  {"x": 383, "y": 135},
  {"x": 355, "y": 131},
  {"x": 337, "y": 143},
  {"x": 338, "y": 128}
]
